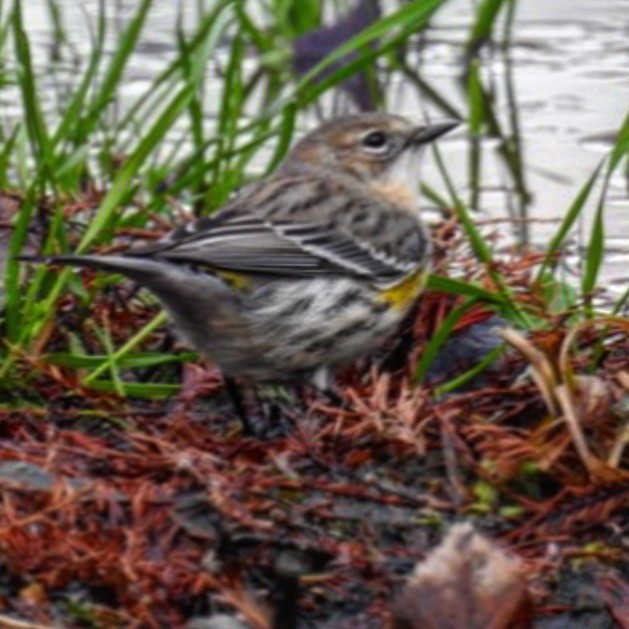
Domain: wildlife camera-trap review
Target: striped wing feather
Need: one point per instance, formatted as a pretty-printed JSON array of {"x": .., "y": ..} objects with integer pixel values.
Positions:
[{"x": 236, "y": 239}]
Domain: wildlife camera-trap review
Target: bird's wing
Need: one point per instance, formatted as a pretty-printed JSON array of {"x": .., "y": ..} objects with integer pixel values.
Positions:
[{"x": 237, "y": 239}]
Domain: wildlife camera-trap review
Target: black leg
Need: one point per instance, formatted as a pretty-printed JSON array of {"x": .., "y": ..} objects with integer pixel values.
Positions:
[
  {"x": 239, "y": 405},
  {"x": 333, "y": 395},
  {"x": 288, "y": 569}
]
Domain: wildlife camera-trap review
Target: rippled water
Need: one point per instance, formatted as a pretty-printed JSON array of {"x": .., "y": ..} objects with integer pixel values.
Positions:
[
  {"x": 560, "y": 92},
  {"x": 569, "y": 69}
]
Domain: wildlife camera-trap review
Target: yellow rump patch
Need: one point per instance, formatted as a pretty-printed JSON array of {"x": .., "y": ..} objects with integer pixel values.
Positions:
[
  {"x": 403, "y": 293},
  {"x": 235, "y": 280}
]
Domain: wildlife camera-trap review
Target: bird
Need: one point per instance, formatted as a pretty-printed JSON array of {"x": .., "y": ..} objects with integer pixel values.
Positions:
[{"x": 302, "y": 272}]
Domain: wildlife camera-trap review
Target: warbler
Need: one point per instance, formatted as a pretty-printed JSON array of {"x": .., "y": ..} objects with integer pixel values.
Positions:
[{"x": 306, "y": 270}]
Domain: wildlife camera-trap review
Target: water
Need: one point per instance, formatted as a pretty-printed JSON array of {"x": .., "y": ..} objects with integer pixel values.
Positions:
[
  {"x": 568, "y": 72},
  {"x": 559, "y": 93}
]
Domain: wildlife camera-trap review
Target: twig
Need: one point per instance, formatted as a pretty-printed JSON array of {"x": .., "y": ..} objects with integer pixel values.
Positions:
[
  {"x": 14, "y": 623},
  {"x": 541, "y": 369}
]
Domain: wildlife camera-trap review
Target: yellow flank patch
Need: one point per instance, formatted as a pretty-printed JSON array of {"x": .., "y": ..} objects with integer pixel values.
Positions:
[
  {"x": 235, "y": 280},
  {"x": 403, "y": 293}
]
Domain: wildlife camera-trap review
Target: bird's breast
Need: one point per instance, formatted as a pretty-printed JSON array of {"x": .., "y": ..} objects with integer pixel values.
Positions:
[{"x": 395, "y": 193}]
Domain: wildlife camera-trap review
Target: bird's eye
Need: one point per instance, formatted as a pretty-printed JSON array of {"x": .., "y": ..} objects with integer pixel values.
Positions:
[{"x": 376, "y": 141}]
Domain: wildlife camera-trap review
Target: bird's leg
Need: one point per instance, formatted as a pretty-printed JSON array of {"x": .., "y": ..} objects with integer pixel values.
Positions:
[
  {"x": 323, "y": 382},
  {"x": 288, "y": 568},
  {"x": 239, "y": 405},
  {"x": 333, "y": 395}
]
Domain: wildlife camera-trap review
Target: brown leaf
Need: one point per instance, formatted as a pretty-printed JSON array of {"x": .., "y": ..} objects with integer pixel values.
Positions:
[{"x": 468, "y": 582}]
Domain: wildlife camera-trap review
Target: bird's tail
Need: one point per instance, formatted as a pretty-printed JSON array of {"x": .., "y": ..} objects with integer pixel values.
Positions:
[
  {"x": 174, "y": 284},
  {"x": 136, "y": 268}
]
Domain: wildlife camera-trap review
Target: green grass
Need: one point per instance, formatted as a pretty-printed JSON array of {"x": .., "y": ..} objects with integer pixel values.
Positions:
[{"x": 162, "y": 150}]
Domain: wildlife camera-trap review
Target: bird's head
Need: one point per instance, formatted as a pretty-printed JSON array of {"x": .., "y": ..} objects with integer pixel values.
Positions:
[{"x": 371, "y": 147}]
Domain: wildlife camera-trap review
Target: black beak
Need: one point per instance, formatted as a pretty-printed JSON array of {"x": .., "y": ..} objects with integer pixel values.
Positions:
[{"x": 430, "y": 132}]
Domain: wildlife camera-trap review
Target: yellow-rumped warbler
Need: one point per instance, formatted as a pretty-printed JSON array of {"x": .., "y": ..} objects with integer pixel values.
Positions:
[{"x": 306, "y": 270}]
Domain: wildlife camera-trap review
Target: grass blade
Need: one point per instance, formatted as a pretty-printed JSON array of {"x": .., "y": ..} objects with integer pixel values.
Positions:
[
  {"x": 134, "y": 341},
  {"x": 408, "y": 20},
  {"x": 34, "y": 119},
  {"x": 483, "y": 26},
  {"x": 73, "y": 111},
  {"x": 440, "y": 337},
  {"x": 470, "y": 374},
  {"x": 568, "y": 222},
  {"x": 459, "y": 287},
  {"x": 123, "y": 181},
  {"x": 115, "y": 70},
  {"x": 596, "y": 246}
]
